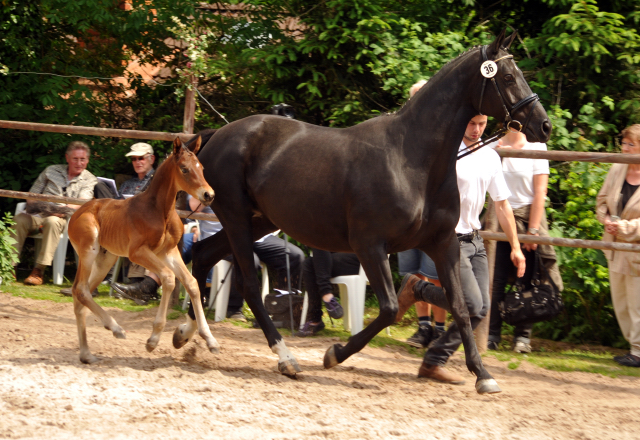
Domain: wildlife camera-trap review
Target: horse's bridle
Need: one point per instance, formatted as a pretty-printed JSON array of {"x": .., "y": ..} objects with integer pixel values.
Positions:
[{"x": 509, "y": 122}]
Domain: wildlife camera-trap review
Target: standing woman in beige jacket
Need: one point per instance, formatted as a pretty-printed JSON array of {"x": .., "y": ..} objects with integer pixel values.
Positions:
[{"x": 618, "y": 208}]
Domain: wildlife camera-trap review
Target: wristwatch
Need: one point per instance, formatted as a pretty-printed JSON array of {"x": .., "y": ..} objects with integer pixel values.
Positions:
[{"x": 533, "y": 231}]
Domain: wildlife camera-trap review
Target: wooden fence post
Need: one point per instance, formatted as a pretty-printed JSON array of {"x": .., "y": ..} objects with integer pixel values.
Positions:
[
  {"x": 490, "y": 224},
  {"x": 189, "y": 107}
]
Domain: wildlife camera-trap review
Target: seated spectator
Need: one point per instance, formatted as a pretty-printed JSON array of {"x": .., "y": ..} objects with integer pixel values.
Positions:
[
  {"x": 317, "y": 272},
  {"x": 144, "y": 286},
  {"x": 71, "y": 180},
  {"x": 270, "y": 250}
]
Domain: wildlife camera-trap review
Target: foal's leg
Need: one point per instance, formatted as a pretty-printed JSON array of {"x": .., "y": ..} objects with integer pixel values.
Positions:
[
  {"x": 448, "y": 266},
  {"x": 174, "y": 260},
  {"x": 206, "y": 254},
  {"x": 94, "y": 264},
  {"x": 376, "y": 265}
]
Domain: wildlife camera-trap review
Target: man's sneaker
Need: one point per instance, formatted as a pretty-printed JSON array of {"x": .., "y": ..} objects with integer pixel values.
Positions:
[
  {"x": 423, "y": 337},
  {"x": 522, "y": 347},
  {"x": 628, "y": 360},
  {"x": 310, "y": 329},
  {"x": 237, "y": 316},
  {"x": 493, "y": 345},
  {"x": 334, "y": 309}
]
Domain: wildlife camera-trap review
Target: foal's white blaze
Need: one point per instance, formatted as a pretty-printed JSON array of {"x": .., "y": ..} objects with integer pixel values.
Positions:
[{"x": 282, "y": 351}]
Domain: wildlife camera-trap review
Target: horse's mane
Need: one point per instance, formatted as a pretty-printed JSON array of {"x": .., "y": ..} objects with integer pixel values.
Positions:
[{"x": 443, "y": 71}]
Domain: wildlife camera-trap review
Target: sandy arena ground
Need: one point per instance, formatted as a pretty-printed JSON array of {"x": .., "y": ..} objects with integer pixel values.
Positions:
[{"x": 46, "y": 393}]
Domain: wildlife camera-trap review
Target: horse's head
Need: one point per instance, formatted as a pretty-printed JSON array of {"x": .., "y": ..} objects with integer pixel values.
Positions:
[
  {"x": 504, "y": 93},
  {"x": 188, "y": 171}
]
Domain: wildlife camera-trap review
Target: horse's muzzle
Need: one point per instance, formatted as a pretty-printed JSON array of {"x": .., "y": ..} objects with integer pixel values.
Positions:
[{"x": 207, "y": 197}]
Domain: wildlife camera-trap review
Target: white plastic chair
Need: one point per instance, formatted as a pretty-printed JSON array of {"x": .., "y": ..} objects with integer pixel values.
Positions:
[
  {"x": 352, "y": 296},
  {"x": 60, "y": 254},
  {"x": 221, "y": 283}
]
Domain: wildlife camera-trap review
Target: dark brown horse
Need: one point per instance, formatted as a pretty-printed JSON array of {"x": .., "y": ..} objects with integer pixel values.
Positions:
[
  {"x": 383, "y": 186},
  {"x": 146, "y": 229}
]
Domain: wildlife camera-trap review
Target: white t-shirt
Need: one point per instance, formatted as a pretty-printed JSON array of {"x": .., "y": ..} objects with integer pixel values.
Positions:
[
  {"x": 518, "y": 173},
  {"x": 478, "y": 173}
]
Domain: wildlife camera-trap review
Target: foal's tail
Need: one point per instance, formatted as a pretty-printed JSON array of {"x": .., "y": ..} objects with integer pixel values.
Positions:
[{"x": 204, "y": 134}]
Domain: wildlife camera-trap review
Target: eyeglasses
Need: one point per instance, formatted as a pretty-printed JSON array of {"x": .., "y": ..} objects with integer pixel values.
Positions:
[{"x": 137, "y": 158}]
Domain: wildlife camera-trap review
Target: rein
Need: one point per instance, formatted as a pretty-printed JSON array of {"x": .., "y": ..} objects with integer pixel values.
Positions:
[{"x": 489, "y": 69}]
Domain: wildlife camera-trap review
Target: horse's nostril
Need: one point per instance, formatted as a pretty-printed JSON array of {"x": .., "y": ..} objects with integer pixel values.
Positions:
[
  {"x": 208, "y": 196},
  {"x": 546, "y": 127}
]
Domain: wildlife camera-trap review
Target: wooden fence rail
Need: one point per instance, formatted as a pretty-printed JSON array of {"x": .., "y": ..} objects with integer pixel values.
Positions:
[{"x": 95, "y": 131}]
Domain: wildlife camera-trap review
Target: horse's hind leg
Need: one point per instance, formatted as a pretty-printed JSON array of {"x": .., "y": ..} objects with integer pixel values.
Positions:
[
  {"x": 376, "y": 265},
  {"x": 91, "y": 259},
  {"x": 448, "y": 265}
]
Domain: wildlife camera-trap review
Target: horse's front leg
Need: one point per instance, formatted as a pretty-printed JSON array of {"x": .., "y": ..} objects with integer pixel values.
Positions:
[
  {"x": 376, "y": 265},
  {"x": 463, "y": 272},
  {"x": 174, "y": 260},
  {"x": 246, "y": 279}
]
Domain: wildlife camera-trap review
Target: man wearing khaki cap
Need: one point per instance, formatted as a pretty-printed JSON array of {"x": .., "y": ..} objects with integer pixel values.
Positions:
[
  {"x": 142, "y": 159},
  {"x": 146, "y": 283}
]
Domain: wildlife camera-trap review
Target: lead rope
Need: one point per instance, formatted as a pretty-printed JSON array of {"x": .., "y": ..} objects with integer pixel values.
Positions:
[{"x": 481, "y": 143}]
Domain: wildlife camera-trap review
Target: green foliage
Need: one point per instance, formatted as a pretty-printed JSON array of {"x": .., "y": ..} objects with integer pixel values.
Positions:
[{"x": 8, "y": 253}]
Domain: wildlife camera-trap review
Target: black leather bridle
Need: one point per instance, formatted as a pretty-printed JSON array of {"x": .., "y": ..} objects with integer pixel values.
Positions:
[{"x": 509, "y": 122}]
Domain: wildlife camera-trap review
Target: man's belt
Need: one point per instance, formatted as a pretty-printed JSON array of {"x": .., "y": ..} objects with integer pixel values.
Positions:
[{"x": 468, "y": 237}]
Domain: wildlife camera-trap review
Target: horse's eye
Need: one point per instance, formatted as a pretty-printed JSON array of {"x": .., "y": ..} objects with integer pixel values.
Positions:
[
  {"x": 509, "y": 78},
  {"x": 184, "y": 170}
]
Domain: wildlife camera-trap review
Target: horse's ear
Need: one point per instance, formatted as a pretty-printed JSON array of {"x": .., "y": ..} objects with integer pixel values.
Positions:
[
  {"x": 196, "y": 145},
  {"x": 506, "y": 44},
  {"x": 495, "y": 47},
  {"x": 177, "y": 146}
]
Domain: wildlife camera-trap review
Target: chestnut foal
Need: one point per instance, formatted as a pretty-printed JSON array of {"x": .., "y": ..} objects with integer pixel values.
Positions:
[{"x": 147, "y": 229}]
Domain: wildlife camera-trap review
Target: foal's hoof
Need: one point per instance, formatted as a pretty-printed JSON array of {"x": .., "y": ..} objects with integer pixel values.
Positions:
[
  {"x": 289, "y": 367},
  {"x": 151, "y": 345},
  {"x": 214, "y": 348},
  {"x": 330, "y": 359},
  {"x": 120, "y": 333},
  {"x": 487, "y": 386},
  {"x": 179, "y": 340},
  {"x": 89, "y": 359}
]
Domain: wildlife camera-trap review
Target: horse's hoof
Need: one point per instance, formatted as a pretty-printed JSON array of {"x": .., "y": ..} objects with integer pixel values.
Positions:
[
  {"x": 487, "y": 386},
  {"x": 330, "y": 359},
  {"x": 179, "y": 341},
  {"x": 90, "y": 359},
  {"x": 289, "y": 367},
  {"x": 151, "y": 345},
  {"x": 120, "y": 333},
  {"x": 214, "y": 348}
]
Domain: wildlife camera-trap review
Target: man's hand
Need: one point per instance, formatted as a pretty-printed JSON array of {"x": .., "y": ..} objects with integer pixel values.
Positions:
[
  {"x": 517, "y": 257},
  {"x": 531, "y": 246}
]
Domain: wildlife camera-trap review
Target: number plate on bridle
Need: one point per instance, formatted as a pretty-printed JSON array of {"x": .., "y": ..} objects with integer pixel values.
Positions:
[{"x": 488, "y": 69}]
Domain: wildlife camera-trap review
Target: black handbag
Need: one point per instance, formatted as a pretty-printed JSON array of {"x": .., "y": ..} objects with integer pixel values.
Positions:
[{"x": 540, "y": 302}]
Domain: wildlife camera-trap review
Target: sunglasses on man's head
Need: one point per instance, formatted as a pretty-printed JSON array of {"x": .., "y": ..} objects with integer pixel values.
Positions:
[{"x": 137, "y": 158}]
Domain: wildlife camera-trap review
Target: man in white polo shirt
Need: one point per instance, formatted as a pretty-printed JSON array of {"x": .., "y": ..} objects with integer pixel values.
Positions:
[{"x": 478, "y": 173}]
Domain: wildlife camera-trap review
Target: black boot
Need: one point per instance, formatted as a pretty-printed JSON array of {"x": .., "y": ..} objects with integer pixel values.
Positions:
[{"x": 141, "y": 292}]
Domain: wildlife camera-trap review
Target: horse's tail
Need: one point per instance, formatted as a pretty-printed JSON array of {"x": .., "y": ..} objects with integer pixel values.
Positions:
[{"x": 204, "y": 134}]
